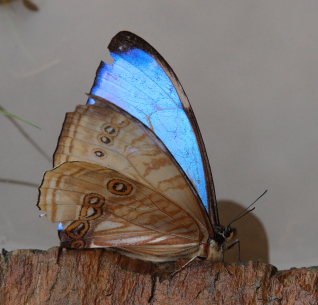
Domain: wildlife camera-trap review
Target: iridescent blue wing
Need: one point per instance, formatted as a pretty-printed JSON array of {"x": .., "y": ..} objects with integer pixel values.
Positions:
[{"x": 141, "y": 82}]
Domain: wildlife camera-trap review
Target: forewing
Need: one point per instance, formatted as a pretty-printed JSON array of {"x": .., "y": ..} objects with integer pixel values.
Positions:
[
  {"x": 141, "y": 82},
  {"x": 100, "y": 207}
]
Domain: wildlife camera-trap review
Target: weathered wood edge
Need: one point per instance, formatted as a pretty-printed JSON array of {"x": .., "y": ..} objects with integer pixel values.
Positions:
[{"x": 96, "y": 276}]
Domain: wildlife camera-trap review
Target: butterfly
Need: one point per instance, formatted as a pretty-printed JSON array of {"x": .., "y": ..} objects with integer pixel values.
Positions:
[{"x": 130, "y": 169}]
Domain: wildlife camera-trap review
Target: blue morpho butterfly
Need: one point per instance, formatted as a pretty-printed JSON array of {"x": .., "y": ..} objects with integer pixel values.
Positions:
[{"x": 130, "y": 170}]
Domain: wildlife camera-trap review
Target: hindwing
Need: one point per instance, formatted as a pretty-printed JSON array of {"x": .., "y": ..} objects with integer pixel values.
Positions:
[{"x": 115, "y": 184}]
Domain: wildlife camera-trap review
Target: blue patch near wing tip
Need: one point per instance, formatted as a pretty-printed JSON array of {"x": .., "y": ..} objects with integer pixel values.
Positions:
[{"x": 136, "y": 82}]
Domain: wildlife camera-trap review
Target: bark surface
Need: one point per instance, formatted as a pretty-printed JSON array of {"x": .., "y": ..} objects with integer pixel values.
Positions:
[{"x": 89, "y": 277}]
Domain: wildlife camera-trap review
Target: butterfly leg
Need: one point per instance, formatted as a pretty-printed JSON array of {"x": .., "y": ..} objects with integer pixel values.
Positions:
[
  {"x": 183, "y": 266},
  {"x": 59, "y": 254},
  {"x": 235, "y": 242}
]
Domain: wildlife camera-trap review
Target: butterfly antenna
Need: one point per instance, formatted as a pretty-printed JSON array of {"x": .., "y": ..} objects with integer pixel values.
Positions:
[{"x": 248, "y": 209}]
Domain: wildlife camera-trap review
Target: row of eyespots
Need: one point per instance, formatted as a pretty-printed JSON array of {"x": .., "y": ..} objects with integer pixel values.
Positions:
[
  {"x": 109, "y": 132},
  {"x": 91, "y": 209}
]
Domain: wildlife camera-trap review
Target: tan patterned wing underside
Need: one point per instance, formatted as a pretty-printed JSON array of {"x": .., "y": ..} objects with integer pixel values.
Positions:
[
  {"x": 106, "y": 135},
  {"x": 100, "y": 207}
]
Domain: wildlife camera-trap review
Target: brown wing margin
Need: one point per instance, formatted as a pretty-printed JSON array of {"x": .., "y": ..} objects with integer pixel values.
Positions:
[{"x": 122, "y": 43}]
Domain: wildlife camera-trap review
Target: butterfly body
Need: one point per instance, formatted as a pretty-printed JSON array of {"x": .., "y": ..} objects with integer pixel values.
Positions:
[{"x": 118, "y": 182}]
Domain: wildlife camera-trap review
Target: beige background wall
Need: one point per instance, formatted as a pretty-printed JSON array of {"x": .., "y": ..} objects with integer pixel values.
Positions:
[{"x": 250, "y": 69}]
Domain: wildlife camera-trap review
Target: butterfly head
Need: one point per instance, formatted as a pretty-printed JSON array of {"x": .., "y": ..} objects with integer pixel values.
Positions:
[
  {"x": 223, "y": 239},
  {"x": 225, "y": 235},
  {"x": 213, "y": 249}
]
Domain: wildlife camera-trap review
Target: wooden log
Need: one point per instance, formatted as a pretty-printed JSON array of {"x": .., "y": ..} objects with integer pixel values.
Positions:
[{"x": 99, "y": 277}]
